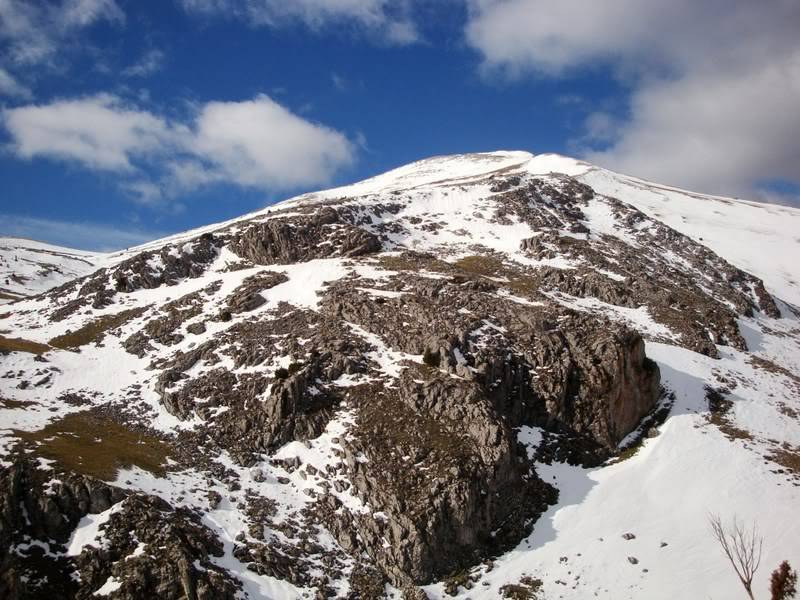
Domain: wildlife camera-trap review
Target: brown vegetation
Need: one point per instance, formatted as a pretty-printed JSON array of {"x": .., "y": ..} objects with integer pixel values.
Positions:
[
  {"x": 21, "y": 345},
  {"x": 95, "y": 445},
  {"x": 94, "y": 330}
]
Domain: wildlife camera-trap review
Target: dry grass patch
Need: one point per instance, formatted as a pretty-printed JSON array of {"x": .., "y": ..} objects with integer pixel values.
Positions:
[
  {"x": 95, "y": 330},
  {"x": 493, "y": 267},
  {"x": 20, "y": 345},
  {"x": 413, "y": 261},
  {"x": 95, "y": 445},
  {"x": 788, "y": 457},
  {"x": 487, "y": 266},
  {"x": 15, "y": 404}
]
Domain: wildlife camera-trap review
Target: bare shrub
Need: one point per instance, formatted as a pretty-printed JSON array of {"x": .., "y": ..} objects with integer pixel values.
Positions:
[{"x": 743, "y": 547}]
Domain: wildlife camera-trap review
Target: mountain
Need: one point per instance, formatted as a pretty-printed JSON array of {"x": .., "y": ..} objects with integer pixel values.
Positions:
[
  {"x": 28, "y": 268},
  {"x": 481, "y": 376}
]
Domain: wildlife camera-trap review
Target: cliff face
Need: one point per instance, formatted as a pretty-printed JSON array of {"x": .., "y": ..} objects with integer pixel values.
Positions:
[{"x": 339, "y": 393}]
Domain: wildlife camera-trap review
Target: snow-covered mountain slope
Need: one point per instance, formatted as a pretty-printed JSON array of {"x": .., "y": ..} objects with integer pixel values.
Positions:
[
  {"x": 759, "y": 238},
  {"x": 472, "y": 376},
  {"x": 28, "y": 268}
]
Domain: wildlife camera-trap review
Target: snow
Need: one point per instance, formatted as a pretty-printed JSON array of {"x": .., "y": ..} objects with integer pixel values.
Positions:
[
  {"x": 319, "y": 454},
  {"x": 381, "y": 293},
  {"x": 544, "y": 164},
  {"x": 638, "y": 318},
  {"x": 28, "y": 267},
  {"x": 530, "y": 437},
  {"x": 88, "y": 530},
  {"x": 518, "y": 299},
  {"x": 305, "y": 281},
  {"x": 138, "y": 551},
  {"x": 112, "y": 584},
  {"x": 601, "y": 220},
  {"x": 388, "y": 360},
  {"x": 23, "y": 548},
  {"x": 758, "y": 238},
  {"x": 459, "y": 168},
  {"x": 456, "y": 169}
]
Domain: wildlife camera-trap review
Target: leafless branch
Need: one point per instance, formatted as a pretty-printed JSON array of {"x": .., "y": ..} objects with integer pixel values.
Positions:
[{"x": 742, "y": 546}]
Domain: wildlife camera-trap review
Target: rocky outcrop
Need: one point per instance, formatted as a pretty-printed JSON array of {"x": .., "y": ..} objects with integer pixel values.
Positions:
[
  {"x": 246, "y": 297},
  {"x": 260, "y": 414},
  {"x": 147, "y": 547},
  {"x": 27, "y": 509},
  {"x": 418, "y": 450},
  {"x": 540, "y": 365},
  {"x": 598, "y": 381},
  {"x": 698, "y": 319},
  {"x": 152, "y": 550},
  {"x": 165, "y": 329},
  {"x": 173, "y": 371},
  {"x": 443, "y": 472},
  {"x": 685, "y": 285},
  {"x": 322, "y": 234},
  {"x": 167, "y": 265}
]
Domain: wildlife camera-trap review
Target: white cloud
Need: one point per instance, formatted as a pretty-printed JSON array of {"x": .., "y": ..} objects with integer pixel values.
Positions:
[
  {"x": 547, "y": 36},
  {"x": 11, "y": 87},
  {"x": 387, "y": 19},
  {"x": 150, "y": 62},
  {"x": 254, "y": 143},
  {"x": 551, "y": 37},
  {"x": 721, "y": 132},
  {"x": 259, "y": 143},
  {"x": 99, "y": 131},
  {"x": 79, "y": 235},
  {"x": 32, "y": 32},
  {"x": 714, "y": 84}
]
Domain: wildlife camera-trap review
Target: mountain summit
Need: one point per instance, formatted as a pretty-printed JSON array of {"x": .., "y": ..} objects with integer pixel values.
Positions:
[{"x": 482, "y": 375}]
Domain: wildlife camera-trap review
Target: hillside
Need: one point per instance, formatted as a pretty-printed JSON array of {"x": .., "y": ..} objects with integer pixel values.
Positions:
[
  {"x": 452, "y": 379},
  {"x": 28, "y": 268}
]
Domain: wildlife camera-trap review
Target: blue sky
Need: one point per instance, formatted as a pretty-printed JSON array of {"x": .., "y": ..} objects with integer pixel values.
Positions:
[{"x": 125, "y": 120}]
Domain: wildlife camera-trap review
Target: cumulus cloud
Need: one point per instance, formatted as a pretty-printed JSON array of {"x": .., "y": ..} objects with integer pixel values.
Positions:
[
  {"x": 713, "y": 85},
  {"x": 255, "y": 143},
  {"x": 721, "y": 132},
  {"x": 388, "y": 19},
  {"x": 99, "y": 131},
  {"x": 259, "y": 143}
]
